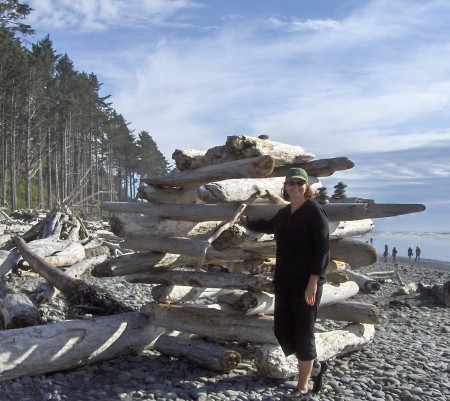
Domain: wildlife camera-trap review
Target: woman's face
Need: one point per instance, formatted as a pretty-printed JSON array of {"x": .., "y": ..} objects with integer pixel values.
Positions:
[{"x": 295, "y": 188}]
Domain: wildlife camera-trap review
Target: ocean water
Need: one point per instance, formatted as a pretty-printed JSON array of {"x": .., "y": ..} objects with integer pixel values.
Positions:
[{"x": 434, "y": 245}]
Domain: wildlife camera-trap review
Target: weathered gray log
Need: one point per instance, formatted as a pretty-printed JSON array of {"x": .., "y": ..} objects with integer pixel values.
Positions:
[
  {"x": 212, "y": 323},
  {"x": 365, "y": 283},
  {"x": 70, "y": 255},
  {"x": 65, "y": 345},
  {"x": 18, "y": 311},
  {"x": 354, "y": 228},
  {"x": 221, "y": 212},
  {"x": 160, "y": 194},
  {"x": 271, "y": 362},
  {"x": 350, "y": 311},
  {"x": 254, "y": 303},
  {"x": 168, "y": 294},
  {"x": 78, "y": 293},
  {"x": 202, "y": 353},
  {"x": 201, "y": 279},
  {"x": 131, "y": 225},
  {"x": 354, "y": 253},
  {"x": 46, "y": 292},
  {"x": 8, "y": 261},
  {"x": 318, "y": 168},
  {"x": 239, "y": 147},
  {"x": 261, "y": 166},
  {"x": 237, "y": 190}
]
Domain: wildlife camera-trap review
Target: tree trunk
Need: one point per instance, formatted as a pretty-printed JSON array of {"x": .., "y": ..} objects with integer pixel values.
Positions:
[
  {"x": 350, "y": 311},
  {"x": 271, "y": 362},
  {"x": 202, "y": 353},
  {"x": 168, "y": 294},
  {"x": 65, "y": 345}
]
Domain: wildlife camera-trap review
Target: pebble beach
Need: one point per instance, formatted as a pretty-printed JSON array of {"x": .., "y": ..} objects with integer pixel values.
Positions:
[{"x": 409, "y": 359}]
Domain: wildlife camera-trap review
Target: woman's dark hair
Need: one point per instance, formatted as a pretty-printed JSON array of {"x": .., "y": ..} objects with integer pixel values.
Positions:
[{"x": 309, "y": 193}]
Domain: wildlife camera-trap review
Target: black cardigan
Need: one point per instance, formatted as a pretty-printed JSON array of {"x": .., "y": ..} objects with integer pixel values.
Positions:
[{"x": 302, "y": 239}]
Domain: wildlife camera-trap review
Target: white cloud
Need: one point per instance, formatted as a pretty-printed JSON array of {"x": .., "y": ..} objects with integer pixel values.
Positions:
[{"x": 93, "y": 15}]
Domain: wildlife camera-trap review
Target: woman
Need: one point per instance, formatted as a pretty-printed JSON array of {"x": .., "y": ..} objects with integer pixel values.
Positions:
[{"x": 302, "y": 238}]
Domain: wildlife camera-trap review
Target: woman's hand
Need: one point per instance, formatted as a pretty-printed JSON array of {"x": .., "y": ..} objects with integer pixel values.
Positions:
[{"x": 311, "y": 290}]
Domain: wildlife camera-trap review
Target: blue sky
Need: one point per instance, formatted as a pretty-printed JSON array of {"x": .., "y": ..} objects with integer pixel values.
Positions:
[{"x": 369, "y": 80}]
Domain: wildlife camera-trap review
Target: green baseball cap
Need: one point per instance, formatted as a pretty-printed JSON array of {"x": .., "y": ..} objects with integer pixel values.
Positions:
[{"x": 297, "y": 173}]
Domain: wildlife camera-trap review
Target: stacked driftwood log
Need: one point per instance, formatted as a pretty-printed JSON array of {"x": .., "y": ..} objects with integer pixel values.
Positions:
[{"x": 186, "y": 224}]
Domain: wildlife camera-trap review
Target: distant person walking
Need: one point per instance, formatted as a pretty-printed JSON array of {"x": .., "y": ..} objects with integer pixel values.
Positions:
[
  {"x": 418, "y": 251},
  {"x": 385, "y": 253},
  {"x": 394, "y": 255},
  {"x": 371, "y": 240},
  {"x": 410, "y": 253}
]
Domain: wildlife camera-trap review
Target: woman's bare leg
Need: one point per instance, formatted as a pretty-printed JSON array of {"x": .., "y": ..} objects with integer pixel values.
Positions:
[{"x": 304, "y": 373}]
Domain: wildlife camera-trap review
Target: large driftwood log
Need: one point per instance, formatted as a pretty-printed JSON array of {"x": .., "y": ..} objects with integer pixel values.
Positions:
[
  {"x": 212, "y": 323},
  {"x": 271, "y": 362},
  {"x": 8, "y": 261},
  {"x": 237, "y": 190},
  {"x": 223, "y": 212},
  {"x": 241, "y": 147},
  {"x": 350, "y": 311},
  {"x": 18, "y": 311},
  {"x": 364, "y": 282},
  {"x": 78, "y": 293},
  {"x": 353, "y": 252},
  {"x": 254, "y": 303},
  {"x": 261, "y": 166},
  {"x": 186, "y": 194},
  {"x": 130, "y": 225},
  {"x": 201, "y": 279},
  {"x": 169, "y": 294},
  {"x": 317, "y": 168},
  {"x": 56, "y": 347},
  {"x": 202, "y": 353},
  {"x": 344, "y": 229}
]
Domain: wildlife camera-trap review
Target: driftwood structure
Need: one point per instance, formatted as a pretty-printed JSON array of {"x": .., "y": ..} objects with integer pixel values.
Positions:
[
  {"x": 186, "y": 221},
  {"x": 184, "y": 240}
]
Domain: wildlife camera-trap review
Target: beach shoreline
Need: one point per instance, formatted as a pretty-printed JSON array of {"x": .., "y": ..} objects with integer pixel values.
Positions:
[{"x": 409, "y": 359}]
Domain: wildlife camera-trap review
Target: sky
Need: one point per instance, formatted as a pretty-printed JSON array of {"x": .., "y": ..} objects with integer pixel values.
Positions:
[{"x": 369, "y": 80}]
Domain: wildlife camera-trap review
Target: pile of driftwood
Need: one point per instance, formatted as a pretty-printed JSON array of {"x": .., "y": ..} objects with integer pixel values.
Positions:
[
  {"x": 212, "y": 277},
  {"x": 187, "y": 222}
]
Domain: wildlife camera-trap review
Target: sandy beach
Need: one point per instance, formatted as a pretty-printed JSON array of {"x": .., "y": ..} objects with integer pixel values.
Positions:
[{"x": 409, "y": 359}]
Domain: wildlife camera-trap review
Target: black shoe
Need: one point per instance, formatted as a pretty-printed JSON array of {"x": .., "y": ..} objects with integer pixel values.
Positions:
[{"x": 318, "y": 380}]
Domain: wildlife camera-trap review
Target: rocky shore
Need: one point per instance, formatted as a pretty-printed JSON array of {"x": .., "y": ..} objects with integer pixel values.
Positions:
[{"x": 408, "y": 360}]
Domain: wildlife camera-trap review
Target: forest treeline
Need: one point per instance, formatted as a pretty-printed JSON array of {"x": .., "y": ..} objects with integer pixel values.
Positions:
[{"x": 61, "y": 141}]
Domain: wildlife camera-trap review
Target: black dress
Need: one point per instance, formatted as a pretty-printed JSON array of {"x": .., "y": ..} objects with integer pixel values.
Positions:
[{"x": 302, "y": 240}]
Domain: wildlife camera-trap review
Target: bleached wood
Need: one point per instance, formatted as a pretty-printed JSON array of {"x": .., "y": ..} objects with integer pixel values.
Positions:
[
  {"x": 354, "y": 228},
  {"x": 186, "y": 194},
  {"x": 70, "y": 255},
  {"x": 202, "y": 353},
  {"x": 237, "y": 190},
  {"x": 270, "y": 361},
  {"x": 18, "y": 311},
  {"x": 261, "y": 166},
  {"x": 131, "y": 225},
  {"x": 350, "y": 311},
  {"x": 65, "y": 345},
  {"x": 212, "y": 323},
  {"x": 8, "y": 261},
  {"x": 254, "y": 303},
  {"x": 202, "y": 279},
  {"x": 221, "y": 212},
  {"x": 168, "y": 294},
  {"x": 241, "y": 147},
  {"x": 354, "y": 253},
  {"x": 318, "y": 168},
  {"x": 364, "y": 282}
]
